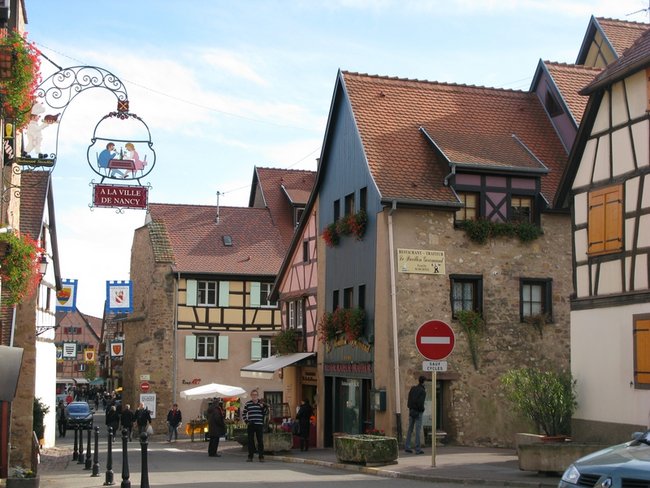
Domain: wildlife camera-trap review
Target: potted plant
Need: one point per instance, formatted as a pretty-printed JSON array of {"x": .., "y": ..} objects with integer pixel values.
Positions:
[
  {"x": 18, "y": 89},
  {"x": 20, "y": 477},
  {"x": 547, "y": 398},
  {"x": 327, "y": 328},
  {"x": 19, "y": 266}
]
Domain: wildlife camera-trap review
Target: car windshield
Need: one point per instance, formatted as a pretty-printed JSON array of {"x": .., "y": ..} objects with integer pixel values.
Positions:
[{"x": 78, "y": 408}]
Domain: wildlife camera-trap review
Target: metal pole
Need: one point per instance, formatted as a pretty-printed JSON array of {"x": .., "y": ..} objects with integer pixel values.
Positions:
[
  {"x": 89, "y": 453},
  {"x": 125, "y": 460},
  {"x": 434, "y": 380},
  {"x": 75, "y": 453},
  {"x": 80, "y": 460},
  {"x": 96, "y": 454},
  {"x": 144, "y": 479},
  {"x": 108, "y": 480}
]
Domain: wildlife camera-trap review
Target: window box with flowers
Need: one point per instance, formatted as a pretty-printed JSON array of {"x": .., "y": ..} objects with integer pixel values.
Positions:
[
  {"x": 286, "y": 341},
  {"x": 349, "y": 321},
  {"x": 19, "y": 267},
  {"x": 19, "y": 77},
  {"x": 349, "y": 225}
]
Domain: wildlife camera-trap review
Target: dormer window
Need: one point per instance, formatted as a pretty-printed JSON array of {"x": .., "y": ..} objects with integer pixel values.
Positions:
[
  {"x": 297, "y": 215},
  {"x": 227, "y": 241},
  {"x": 552, "y": 106}
]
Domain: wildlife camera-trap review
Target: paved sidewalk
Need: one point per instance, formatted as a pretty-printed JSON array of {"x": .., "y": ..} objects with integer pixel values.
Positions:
[{"x": 491, "y": 467}]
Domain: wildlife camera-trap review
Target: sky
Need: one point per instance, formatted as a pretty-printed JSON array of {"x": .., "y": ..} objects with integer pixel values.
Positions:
[{"x": 225, "y": 86}]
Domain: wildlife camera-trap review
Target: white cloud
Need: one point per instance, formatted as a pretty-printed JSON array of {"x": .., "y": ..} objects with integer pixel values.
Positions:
[{"x": 233, "y": 64}]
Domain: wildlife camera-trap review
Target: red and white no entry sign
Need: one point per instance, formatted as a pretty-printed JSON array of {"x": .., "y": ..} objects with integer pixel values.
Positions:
[{"x": 435, "y": 340}]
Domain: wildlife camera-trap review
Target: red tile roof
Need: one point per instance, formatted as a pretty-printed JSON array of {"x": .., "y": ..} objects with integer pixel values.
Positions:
[
  {"x": 470, "y": 124},
  {"x": 621, "y": 34},
  {"x": 195, "y": 239},
  {"x": 33, "y": 194},
  {"x": 570, "y": 79},
  {"x": 276, "y": 185}
]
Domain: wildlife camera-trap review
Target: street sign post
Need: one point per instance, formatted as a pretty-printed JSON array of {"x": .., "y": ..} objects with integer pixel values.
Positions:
[{"x": 435, "y": 340}]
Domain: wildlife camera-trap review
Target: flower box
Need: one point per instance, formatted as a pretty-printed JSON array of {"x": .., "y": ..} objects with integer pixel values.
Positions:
[
  {"x": 23, "y": 482},
  {"x": 273, "y": 441},
  {"x": 371, "y": 450}
]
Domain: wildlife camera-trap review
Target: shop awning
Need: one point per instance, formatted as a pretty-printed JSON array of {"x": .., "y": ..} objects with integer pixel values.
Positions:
[
  {"x": 265, "y": 368},
  {"x": 81, "y": 381}
]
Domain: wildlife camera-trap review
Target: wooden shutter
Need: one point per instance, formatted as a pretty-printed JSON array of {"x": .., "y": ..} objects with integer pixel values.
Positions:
[
  {"x": 606, "y": 220},
  {"x": 224, "y": 293},
  {"x": 642, "y": 352},
  {"x": 190, "y": 347},
  {"x": 255, "y": 293},
  {"x": 222, "y": 352},
  {"x": 190, "y": 294},
  {"x": 256, "y": 348}
]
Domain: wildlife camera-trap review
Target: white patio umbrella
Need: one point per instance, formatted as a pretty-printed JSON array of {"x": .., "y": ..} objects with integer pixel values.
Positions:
[{"x": 211, "y": 390}]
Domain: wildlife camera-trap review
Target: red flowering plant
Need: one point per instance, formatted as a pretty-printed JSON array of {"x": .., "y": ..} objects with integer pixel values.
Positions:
[
  {"x": 373, "y": 431},
  {"x": 327, "y": 328},
  {"x": 357, "y": 223},
  {"x": 346, "y": 320},
  {"x": 330, "y": 235},
  {"x": 18, "y": 90},
  {"x": 19, "y": 267}
]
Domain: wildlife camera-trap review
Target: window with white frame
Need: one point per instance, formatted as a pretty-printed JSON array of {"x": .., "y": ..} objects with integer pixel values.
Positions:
[
  {"x": 261, "y": 347},
  {"x": 466, "y": 293},
  {"x": 265, "y": 295},
  {"x": 206, "y": 347},
  {"x": 300, "y": 313},
  {"x": 291, "y": 315},
  {"x": 535, "y": 298},
  {"x": 206, "y": 293}
]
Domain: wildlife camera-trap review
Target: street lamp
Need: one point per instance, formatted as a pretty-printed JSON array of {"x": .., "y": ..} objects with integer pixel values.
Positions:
[{"x": 42, "y": 265}]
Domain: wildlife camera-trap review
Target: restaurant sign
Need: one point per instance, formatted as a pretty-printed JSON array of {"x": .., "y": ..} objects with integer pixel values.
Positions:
[
  {"x": 120, "y": 196},
  {"x": 420, "y": 261}
]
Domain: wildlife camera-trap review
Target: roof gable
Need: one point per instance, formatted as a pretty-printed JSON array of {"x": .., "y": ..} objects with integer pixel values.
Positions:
[
  {"x": 609, "y": 36},
  {"x": 570, "y": 79}
]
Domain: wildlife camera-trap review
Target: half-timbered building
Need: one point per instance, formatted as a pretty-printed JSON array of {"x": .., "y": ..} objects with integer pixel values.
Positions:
[
  {"x": 606, "y": 187},
  {"x": 202, "y": 278}
]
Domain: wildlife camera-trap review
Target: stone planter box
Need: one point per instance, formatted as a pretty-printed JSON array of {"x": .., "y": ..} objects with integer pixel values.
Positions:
[
  {"x": 535, "y": 454},
  {"x": 23, "y": 482},
  {"x": 273, "y": 441},
  {"x": 371, "y": 450}
]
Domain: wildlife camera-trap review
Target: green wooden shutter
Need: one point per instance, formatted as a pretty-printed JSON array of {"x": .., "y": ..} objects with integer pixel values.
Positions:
[
  {"x": 191, "y": 294},
  {"x": 224, "y": 293},
  {"x": 256, "y": 348},
  {"x": 255, "y": 293},
  {"x": 223, "y": 347},
  {"x": 190, "y": 347}
]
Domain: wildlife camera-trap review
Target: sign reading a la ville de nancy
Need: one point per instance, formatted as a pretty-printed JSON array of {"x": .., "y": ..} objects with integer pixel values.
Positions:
[{"x": 120, "y": 196}]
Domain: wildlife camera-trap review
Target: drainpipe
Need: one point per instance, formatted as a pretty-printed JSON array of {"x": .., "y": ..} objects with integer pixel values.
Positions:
[
  {"x": 174, "y": 352},
  {"x": 393, "y": 298}
]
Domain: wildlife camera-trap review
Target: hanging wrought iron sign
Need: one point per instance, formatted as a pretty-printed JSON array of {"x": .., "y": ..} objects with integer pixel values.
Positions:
[{"x": 120, "y": 196}]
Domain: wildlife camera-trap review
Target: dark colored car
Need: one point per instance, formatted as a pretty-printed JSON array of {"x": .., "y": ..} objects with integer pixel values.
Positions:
[
  {"x": 622, "y": 466},
  {"x": 79, "y": 415}
]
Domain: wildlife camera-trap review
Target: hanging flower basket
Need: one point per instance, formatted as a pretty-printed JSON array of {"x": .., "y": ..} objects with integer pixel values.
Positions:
[
  {"x": 349, "y": 225},
  {"x": 349, "y": 321},
  {"x": 19, "y": 84},
  {"x": 19, "y": 267}
]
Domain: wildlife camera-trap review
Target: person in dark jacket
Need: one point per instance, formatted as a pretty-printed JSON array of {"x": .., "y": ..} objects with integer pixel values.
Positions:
[
  {"x": 216, "y": 427},
  {"x": 142, "y": 419},
  {"x": 255, "y": 412},
  {"x": 113, "y": 420},
  {"x": 303, "y": 417},
  {"x": 415, "y": 404},
  {"x": 127, "y": 418},
  {"x": 174, "y": 419},
  {"x": 60, "y": 418}
]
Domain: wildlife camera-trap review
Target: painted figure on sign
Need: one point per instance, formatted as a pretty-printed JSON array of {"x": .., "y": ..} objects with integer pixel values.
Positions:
[
  {"x": 138, "y": 164},
  {"x": 104, "y": 158},
  {"x": 34, "y": 128}
]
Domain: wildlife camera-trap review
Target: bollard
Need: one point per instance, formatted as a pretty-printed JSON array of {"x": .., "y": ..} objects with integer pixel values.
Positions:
[
  {"x": 125, "y": 460},
  {"x": 81, "y": 460},
  {"x": 75, "y": 453},
  {"x": 96, "y": 455},
  {"x": 89, "y": 455},
  {"x": 108, "y": 480},
  {"x": 144, "y": 480}
]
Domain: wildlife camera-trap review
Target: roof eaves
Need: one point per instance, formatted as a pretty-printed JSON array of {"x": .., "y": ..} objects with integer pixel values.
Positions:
[{"x": 408, "y": 202}]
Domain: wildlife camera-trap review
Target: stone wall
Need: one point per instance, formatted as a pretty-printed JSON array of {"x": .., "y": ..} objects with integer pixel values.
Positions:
[
  {"x": 476, "y": 411},
  {"x": 149, "y": 335}
]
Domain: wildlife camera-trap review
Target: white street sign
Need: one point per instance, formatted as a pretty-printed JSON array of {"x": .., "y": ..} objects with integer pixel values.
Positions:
[{"x": 434, "y": 365}]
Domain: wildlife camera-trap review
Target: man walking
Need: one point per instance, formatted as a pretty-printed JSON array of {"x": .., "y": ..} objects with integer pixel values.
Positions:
[
  {"x": 254, "y": 412},
  {"x": 415, "y": 404},
  {"x": 174, "y": 419}
]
